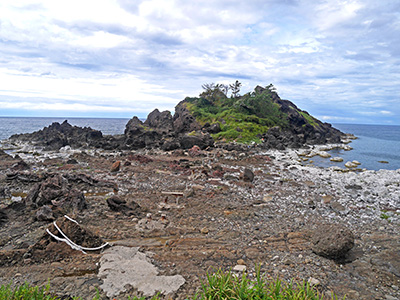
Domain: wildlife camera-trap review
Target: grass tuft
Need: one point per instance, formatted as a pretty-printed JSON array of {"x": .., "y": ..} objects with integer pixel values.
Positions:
[{"x": 218, "y": 286}]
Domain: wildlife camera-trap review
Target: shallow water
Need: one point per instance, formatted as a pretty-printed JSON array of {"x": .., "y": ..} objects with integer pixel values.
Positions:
[{"x": 375, "y": 143}]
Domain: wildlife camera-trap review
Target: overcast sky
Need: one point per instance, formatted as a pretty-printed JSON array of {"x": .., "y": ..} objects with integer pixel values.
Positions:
[{"x": 339, "y": 60}]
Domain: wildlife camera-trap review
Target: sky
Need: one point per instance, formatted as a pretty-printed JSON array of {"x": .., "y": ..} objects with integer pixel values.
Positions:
[{"x": 337, "y": 59}]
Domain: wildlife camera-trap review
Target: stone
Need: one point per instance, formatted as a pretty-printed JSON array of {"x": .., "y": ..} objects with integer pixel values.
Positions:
[
  {"x": 332, "y": 241},
  {"x": 241, "y": 262},
  {"x": 324, "y": 154},
  {"x": 353, "y": 187},
  {"x": 313, "y": 282},
  {"x": 350, "y": 165},
  {"x": 115, "y": 166},
  {"x": 194, "y": 151},
  {"x": 239, "y": 268},
  {"x": 204, "y": 230},
  {"x": 336, "y": 159},
  {"x": 117, "y": 204},
  {"x": 44, "y": 213},
  {"x": 248, "y": 175},
  {"x": 20, "y": 166},
  {"x": 57, "y": 191},
  {"x": 336, "y": 206}
]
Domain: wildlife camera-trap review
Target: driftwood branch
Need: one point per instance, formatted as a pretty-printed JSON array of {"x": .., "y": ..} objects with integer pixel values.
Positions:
[{"x": 70, "y": 243}]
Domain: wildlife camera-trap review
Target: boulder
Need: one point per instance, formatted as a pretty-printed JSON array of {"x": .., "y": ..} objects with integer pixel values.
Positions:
[
  {"x": 115, "y": 166},
  {"x": 248, "y": 175},
  {"x": 203, "y": 141},
  {"x": 117, "y": 204},
  {"x": 332, "y": 241},
  {"x": 336, "y": 159},
  {"x": 162, "y": 122},
  {"x": 194, "y": 151},
  {"x": 44, "y": 213},
  {"x": 55, "y": 190},
  {"x": 48, "y": 248}
]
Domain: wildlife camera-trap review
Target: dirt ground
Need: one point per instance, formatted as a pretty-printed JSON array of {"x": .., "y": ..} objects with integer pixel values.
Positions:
[{"x": 190, "y": 215}]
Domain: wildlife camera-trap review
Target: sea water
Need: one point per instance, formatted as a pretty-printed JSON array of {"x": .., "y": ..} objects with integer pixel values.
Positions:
[
  {"x": 375, "y": 144},
  {"x": 377, "y": 147}
]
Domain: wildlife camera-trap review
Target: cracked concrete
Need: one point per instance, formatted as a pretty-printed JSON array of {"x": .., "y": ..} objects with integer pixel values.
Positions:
[{"x": 124, "y": 267}]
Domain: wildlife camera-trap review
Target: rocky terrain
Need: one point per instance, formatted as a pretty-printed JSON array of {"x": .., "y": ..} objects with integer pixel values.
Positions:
[
  {"x": 169, "y": 217},
  {"x": 156, "y": 208}
]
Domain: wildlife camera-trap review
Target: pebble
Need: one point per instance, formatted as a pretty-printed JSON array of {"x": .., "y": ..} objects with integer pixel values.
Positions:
[
  {"x": 239, "y": 268},
  {"x": 312, "y": 281},
  {"x": 241, "y": 262},
  {"x": 204, "y": 230}
]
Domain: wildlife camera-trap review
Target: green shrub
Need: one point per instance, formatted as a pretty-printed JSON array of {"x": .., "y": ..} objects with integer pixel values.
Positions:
[{"x": 253, "y": 114}]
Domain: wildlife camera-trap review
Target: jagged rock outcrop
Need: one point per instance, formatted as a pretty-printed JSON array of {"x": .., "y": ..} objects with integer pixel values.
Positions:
[
  {"x": 283, "y": 125},
  {"x": 59, "y": 135},
  {"x": 161, "y": 130},
  {"x": 303, "y": 129}
]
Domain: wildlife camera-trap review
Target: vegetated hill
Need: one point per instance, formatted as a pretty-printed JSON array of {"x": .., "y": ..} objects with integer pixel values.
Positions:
[{"x": 261, "y": 117}]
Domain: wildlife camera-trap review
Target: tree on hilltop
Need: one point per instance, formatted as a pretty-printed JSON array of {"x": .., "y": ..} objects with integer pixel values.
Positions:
[
  {"x": 235, "y": 88},
  {"x": 214, "y": 91}
]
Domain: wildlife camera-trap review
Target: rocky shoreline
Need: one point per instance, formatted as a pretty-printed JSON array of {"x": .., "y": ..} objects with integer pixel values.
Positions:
[{"x": 180, "y": 213}]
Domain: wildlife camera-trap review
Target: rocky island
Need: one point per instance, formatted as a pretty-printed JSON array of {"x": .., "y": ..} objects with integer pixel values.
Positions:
[{"x": 219, "y": 184}]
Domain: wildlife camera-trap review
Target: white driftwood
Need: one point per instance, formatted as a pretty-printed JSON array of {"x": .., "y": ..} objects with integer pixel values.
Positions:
[
  {"x": 172, "y": 193},
  {"x": 69, "y": 242},
  {"x": 72, "y": 220}
]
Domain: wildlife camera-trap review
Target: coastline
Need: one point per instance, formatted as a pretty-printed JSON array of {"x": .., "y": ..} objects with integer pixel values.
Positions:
[{"x": 221, "y": 219}]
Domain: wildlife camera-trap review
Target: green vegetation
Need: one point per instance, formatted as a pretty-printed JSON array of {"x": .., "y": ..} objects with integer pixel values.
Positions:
[
  {"x": 241, "y": 118},
  {"x": 219, "y": 286},
  {"x": 224, "y": 285},
  {"x": 310, "y": 119},
  {"x": 25, "y": 292}
]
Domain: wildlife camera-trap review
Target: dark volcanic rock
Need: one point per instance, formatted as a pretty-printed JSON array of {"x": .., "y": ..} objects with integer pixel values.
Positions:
[
  {"x": 201, "y": 140},
  {"x": 332, "y": 241},
  {"x": 59, "y": 135},
  {"x": 55, "y": 190},
  {"x": 49, "y": 249},
  {"x": 184, "y": 121},
  {"x": 45, "y": 213},
  {"x": 302, "y": 128},
  {"x": 115, "y": 203},
  {"x": 248, "y": 175},
  {"x": 161, "y": 122},
  {"x": 138, "y": 135},
  {"x": 3, "y": 217}
]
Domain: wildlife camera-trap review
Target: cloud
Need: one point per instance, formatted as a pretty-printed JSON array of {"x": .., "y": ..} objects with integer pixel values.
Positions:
[{"x": 335, "y": 59}]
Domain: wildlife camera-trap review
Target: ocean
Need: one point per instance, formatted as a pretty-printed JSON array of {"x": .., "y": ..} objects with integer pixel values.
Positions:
[{"x": 375, "y": 143}]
